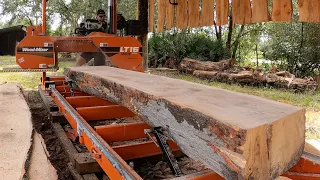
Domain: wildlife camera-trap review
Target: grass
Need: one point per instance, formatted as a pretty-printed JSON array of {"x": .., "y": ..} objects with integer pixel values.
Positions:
[
  {"x": 308, "y": 100},
  {"x": 28, "y": 80}
]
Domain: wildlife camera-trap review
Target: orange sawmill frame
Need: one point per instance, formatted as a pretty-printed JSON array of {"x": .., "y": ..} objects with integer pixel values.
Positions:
[
  {"x": 69, "y": 107},
  {"x": 305, "y": 169}
]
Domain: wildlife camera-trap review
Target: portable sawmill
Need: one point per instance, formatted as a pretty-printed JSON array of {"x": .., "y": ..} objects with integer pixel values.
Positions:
[{"x": 39, "y": 52}]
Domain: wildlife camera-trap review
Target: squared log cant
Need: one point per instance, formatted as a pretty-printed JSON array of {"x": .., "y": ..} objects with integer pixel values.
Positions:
[{"x": 236, "y": 135}]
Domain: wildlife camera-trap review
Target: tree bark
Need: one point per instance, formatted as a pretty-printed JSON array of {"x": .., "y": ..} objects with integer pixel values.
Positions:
[
  {"x": 236, "y": 135},
  {"x": 192, "y": 65}
]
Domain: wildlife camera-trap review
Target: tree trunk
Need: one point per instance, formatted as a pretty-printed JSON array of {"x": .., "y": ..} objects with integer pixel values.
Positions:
[
  {"x": 228, "y": 43},
  {"x": 236, "y": 42},
  {"x": 257, "y": 55},
  {"x": 238, "y": 136},
  {"x": 217, "y": 31}
]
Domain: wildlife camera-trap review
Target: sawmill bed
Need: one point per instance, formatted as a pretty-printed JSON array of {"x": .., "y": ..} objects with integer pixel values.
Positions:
[{"x": 152, "y": 167}]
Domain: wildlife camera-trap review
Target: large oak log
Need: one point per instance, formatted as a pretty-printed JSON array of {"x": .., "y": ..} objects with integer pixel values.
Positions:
[
  {"x": 238, "y": 136},
  {"x": 190, "y": 65},
  {"x": 281, "y": 79}
]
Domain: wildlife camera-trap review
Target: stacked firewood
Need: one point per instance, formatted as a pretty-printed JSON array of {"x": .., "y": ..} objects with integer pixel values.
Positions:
[{"x": 226, "y": 71}]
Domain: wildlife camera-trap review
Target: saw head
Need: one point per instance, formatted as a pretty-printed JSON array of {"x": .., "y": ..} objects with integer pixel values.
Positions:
[{"x": 40, "y": 52}]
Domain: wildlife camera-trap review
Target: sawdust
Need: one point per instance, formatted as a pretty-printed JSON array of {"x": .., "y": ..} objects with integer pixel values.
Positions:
[
  {"x": 41, "y": 123},
  {"x": 114, "y": 121},
  {"x": 161, "y": 170}
]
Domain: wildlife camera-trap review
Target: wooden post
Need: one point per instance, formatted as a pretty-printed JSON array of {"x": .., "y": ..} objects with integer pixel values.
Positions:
[{"x": 143, "y": 38}]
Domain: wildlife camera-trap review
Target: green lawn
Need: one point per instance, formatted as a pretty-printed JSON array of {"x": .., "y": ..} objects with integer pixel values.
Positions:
[
  {"x": 308, "y": 100},
  {"x": 28, "y": 80}
]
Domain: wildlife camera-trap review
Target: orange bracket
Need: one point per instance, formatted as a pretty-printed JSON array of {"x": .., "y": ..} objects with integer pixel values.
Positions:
[
  {"x": 308, "y": 168},
  {"x": 141, "y": 150},
  {"x": 104, "y": 112},
  {"x": 87, "y": 101},
  {"x": 122, "y": 132}
]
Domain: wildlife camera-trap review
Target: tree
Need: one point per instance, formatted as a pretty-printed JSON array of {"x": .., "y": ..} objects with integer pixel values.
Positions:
[{"x": 69, "y": 14}]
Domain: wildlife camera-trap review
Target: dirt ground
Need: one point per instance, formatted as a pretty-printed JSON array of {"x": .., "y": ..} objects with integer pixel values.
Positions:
[{"x": 41, "y": 124}]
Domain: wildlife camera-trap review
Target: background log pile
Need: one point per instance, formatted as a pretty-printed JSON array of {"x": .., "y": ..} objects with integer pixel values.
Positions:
[{"x": 226, "y": 71}]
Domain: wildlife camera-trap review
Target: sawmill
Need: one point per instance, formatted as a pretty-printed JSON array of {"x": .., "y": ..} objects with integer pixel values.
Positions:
[{"x": 122, "y": 115}]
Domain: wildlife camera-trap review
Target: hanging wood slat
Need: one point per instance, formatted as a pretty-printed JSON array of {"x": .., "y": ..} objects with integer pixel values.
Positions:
[
  {"x": 260, "y": 11},
  {"x": 282, "y": 10},
  {"x": 169, "y": 15},
  {"x": 151, "y": 15},
  {"x": 193, "y": 9},
  {"x": 309, "y": 10},
  {"x": 207, "y": 15},
  {"x": 161, "y": 14},
  {"x": 241, "y": 11},
  {"x": 182, "y": 14},
  {"x": 222, "y": 12}
]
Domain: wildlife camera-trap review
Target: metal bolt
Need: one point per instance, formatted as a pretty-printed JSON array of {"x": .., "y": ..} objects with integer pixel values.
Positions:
[{"x": 131, "y": 164}]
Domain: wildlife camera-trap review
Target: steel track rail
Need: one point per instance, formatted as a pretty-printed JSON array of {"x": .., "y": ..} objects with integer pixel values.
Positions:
[{"x": 81, "y": 127}]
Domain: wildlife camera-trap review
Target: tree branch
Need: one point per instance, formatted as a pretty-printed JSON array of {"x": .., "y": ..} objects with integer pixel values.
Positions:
[{"x": 245, "y": 33}]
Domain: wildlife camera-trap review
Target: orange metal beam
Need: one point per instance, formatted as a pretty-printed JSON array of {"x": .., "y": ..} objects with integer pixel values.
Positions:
[
  {"x": 57, "y": 78},
  {"x": 302, "y": 176},
  {"x": 104, "y": 163},
  {"x": 63, "y": 88},
  {"x": 71, "y": 121},
  {"x": 104, "y": 112},
  {"x": 59, "y": 82},
  {"x": 44, "y": 16},
  {"x": 202, "y": 175},
  {"x": 141, "y": 150},
  {"x": 122, "y": 132},
  {"x": 306, "y": 166},
  {"x": 87, "y": 101}
]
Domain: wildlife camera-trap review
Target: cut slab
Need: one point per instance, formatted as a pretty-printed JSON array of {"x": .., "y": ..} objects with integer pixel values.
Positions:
[
  {"x": 40, "y": 166},
  {"x": 236, "y": 135},
  {"x": 15, "y": 131}
]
